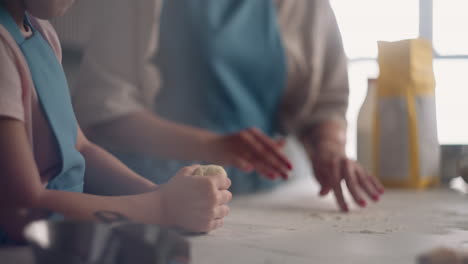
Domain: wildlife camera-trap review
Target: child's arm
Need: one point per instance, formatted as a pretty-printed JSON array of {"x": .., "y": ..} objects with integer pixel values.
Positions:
[
  {"x": 106, "y": 175},
  {"x": 190, "y": 202},
  {"x": 21, "y": 186}
]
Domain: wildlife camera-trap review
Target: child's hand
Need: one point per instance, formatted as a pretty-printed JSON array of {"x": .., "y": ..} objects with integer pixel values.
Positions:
[
  {"x": 195, "y": 203},
  {"x": 251, "y": 149}
]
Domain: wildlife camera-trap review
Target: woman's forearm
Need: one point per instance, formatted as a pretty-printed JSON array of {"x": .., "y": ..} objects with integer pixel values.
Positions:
[
  {"x": 327, "y": 132},
  {"x": 106, "y": 175},
  {"x": 145, "y": 133}
]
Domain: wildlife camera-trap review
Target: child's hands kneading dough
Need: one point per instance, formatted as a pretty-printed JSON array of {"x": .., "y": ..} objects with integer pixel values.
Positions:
[{"x": 195, "y": 198}]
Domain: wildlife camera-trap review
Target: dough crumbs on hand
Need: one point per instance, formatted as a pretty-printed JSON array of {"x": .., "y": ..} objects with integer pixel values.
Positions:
[{"x": 206, "y": 170}]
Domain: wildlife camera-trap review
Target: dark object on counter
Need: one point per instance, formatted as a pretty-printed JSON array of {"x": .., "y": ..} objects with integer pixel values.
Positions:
[
  {"x": 114, "y": 240},
  {"x": 443, "y": 255},
  {"x": 463, "y": 168},
  {"x": 451, "y": 155}
]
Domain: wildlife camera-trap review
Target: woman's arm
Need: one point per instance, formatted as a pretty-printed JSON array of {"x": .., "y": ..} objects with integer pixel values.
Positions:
[
  {"x": 106, "y": 175},
  {"x": 146, "y": 133},
  {"x": 190, "y": 202},
  {"x": 316, "y": 107},
  {"x": 117, "y": 84}
]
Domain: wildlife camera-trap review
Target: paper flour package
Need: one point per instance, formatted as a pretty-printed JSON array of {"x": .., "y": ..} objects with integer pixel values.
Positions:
[{"x": 406, "y": 150}]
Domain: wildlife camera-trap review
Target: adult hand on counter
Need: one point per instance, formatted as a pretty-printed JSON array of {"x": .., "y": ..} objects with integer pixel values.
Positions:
[
  {"x": 326, "y": 150},
  {"x": 249, "y": 150}
]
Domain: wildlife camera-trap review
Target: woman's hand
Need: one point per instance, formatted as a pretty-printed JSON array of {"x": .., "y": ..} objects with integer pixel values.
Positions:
[
  {"x": 195, "y": 203},
  {"x": 249, "y": 150},
  {"x": 331, "y": 166},
  {"x": 325, "y": 145}
]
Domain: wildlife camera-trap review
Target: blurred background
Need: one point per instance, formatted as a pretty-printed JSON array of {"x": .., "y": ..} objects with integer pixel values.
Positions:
[{"x": 362, "y": 24}]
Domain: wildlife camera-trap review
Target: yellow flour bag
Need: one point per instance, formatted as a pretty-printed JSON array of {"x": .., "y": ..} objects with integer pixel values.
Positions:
[{"x": 405, "y": 145}]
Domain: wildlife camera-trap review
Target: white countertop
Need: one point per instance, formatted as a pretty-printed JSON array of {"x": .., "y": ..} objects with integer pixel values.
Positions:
[{"x": 292, "y": 225}]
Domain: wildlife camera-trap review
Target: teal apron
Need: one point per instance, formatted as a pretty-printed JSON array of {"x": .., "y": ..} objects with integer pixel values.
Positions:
[
  {"x": 53, "y": 94},
  {"x": 223, "y": 69}
]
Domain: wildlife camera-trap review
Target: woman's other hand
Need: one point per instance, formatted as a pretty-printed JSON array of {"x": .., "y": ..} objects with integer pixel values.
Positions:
[
  {"x": 331, "y": 166},
  {"x": 249, "y": 150},
  {"x": 326, "y": 149}
]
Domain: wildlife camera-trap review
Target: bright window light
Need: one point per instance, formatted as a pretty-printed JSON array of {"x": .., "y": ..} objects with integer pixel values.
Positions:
[
  {"x": 364, "y": 22},
  {"x": 452, "y": 99},
  {"x": 450, "y": 23}
]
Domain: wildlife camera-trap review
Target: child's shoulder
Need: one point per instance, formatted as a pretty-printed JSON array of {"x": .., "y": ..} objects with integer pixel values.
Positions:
[
  {"x": 11, "y": 81},
  {"x": 8, "y": 44},
  {"x": 8, "y": 48}
]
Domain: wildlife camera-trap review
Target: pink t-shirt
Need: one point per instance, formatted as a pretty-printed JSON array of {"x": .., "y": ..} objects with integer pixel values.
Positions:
[{"x": 18, "y": 98}]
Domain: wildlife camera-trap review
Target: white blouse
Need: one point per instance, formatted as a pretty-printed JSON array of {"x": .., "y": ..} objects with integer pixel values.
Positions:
[{"x": 118, "y": 75}]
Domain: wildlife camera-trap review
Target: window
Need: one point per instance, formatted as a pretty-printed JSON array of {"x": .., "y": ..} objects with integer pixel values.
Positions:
[
  {"x": 451, "y": 68},
  {"x": 364, "y": 22},
  {"x": 452, "y": 100},
  {"x": 450, "y": 27}
]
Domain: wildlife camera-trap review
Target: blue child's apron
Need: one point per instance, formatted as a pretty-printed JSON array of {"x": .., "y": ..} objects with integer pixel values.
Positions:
[
  {"x": 53, "y": 94},
  {"x": 223, "y": 69}
]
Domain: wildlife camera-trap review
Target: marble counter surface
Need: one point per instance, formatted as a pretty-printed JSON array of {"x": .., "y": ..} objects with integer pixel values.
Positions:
[{"x": 293, "y": 225}]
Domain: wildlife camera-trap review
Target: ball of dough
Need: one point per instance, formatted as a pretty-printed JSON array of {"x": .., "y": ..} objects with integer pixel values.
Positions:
[
  {"x": 209, "y": 170},
  {"x": 440, "y": 256}
]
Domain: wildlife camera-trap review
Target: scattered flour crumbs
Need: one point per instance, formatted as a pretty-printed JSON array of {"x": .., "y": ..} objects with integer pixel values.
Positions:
[{"x": 362, "y": 222}]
